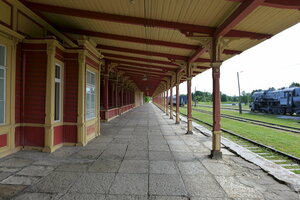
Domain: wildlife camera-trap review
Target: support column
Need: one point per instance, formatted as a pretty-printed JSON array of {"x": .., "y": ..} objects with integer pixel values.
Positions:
[
  {"x": 189, "y": 106},
  {"x": 164, "y": 102},
  {"x": 49, "y": 106},
  {"x": 116, "y": 94},
  {"x": 105, "y": 99},
  {"x": 167, "y": 103},
  {"x": 177, "y": 105},
  {"x": 171, "y": 103},
  {"x": 122, "y": 98},
  {"x": 216, "y": 139}
]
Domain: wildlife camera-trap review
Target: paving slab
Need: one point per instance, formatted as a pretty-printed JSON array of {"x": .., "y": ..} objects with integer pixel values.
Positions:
[
  {"x": 32, "y": 196},
  {"x": 166, "y": 184},
  {"x": 19, "y": 180},
  {"x": 134, "y": 166},
  {"x": 105, "y": 166},
  {"x": 93, "y": 183},
  {"x": 8, "y": 191},
  {"x": 15, "y": 162},
  {"x": 4, "y": 175},
  {"x": 55, "y": 182},
  {"x": 136, "y": 155},
  {"x": 35, "y": 170},
  {"x": 163, "y": 167},
  {"x": 160, "y": 155},
  {"x": 132, "y": 184}
]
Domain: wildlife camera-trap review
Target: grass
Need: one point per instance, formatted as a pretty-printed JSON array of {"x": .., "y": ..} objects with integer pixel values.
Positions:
[
  {"x": 280, "y": 140},
  {"x": 260, "y": 117}
]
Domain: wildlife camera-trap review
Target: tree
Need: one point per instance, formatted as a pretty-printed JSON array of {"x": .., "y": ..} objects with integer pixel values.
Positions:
[
  {"x": 245, "y": 97},
  {"x": 147, "y": 99},
  {"x": 294, "y": 84},
  {"x": 224, "y": 97}
]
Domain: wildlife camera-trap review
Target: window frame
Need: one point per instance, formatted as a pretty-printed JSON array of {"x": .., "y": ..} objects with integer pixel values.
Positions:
[
  {"x": 95, "y": 94},
  {"x": 4, "y": 87},
  {"x": 60, "y": 81}
]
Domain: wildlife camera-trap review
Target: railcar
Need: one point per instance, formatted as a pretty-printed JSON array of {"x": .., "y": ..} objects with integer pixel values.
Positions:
[{"x": 285, "y": 101}]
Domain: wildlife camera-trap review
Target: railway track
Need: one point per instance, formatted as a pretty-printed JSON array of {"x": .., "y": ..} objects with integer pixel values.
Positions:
[
  {"x": 256, "y": 122},
  {"x": 283, "y": 159},
  {"x": 235, "y": 109}
]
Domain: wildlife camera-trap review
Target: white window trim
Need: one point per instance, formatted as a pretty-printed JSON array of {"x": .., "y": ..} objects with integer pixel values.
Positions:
[
  {"x": 58, "y": 80},
  {"x": 4, "y": 77},
  {"x": 90, "y": 118}
]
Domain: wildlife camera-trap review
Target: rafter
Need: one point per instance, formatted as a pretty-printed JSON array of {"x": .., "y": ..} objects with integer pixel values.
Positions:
[
  {"x": 141, "y": 64},
  {"x": 184, "y": 28},
  {"x": 196, "y": 54},
  {"x": 138, "y": 59},
  {"x": 287, "y": 4},
  {"x": 139, "y": 70},
  {"x": 150, "y": 53},
  {"x": 127, "y": 38},
  {"x": 237, "y": 16},
  {"x": 143, "y": 68}
]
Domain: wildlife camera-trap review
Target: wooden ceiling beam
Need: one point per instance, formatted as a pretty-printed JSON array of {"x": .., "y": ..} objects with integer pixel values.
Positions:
[
  {"x": 166, "y": 68},
  {"x": 142, "y": 71},
  {"x": 237, "y": 16},
  {"x": 138, "y": 59},
  {"x": 127, "y": 38},
  {"x": 150, "y": 53},
  {"x": 142, "y": 68},
  {"x": 183, "y": 27},
  {"x": 285, "y": 4}
]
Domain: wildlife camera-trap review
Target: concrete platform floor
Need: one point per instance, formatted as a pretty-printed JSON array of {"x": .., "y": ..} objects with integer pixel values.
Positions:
[{"x": 140, "y": 155}]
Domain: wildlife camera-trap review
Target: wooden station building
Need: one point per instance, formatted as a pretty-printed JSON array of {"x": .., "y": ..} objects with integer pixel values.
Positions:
[{"x": 67, "y": 65}]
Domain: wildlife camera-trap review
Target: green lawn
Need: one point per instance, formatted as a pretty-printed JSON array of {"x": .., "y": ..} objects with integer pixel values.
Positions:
[
  {"x": 280, "y": 140},
  {"x": 260, "y": 117}
]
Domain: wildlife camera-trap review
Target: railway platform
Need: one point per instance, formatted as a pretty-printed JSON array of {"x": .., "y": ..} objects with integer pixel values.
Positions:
[{"x": 140, "y": 155}]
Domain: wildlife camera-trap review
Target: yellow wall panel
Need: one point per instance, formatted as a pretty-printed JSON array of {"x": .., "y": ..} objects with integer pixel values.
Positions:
[
  {"x": 6, "y": 12},
  {"x": 29, "y": 27}
]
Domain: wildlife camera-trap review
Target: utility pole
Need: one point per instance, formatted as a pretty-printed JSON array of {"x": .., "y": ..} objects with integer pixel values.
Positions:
[
  {"x": 240, "y": 100},
  {"x": 195, "y": 97}
]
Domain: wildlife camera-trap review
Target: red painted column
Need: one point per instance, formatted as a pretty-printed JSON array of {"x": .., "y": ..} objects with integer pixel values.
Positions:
[
  {"x": 177, "y": 105},
  {"x": 167, "y": 102},
  {"x": 189, "y": 106},
  {"x": 171, "y": 103},
  {"x": 216, "y": 139},
  {"x": 105, "y": 99},
  {"x": 122, "y": 99},
  {"x": 116, "y": 94},
  {"x": 164, "y": 102}
]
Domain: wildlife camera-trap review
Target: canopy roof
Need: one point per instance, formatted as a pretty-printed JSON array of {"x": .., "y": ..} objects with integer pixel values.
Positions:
[{"x": 147, "y": 36}]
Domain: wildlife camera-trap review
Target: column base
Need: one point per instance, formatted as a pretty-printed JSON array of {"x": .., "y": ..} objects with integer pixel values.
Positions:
[
  {"x": 171, "y": 117},
  {"x": 189, "y": 132},
  {"x": 216, "y": 155}
]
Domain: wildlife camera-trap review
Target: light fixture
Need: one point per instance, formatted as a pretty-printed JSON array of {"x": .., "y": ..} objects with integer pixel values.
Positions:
[{"x": 145, "y": 78}]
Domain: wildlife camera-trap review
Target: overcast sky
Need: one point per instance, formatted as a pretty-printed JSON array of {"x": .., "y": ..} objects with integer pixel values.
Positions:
[{"x": 272, "y": 63}]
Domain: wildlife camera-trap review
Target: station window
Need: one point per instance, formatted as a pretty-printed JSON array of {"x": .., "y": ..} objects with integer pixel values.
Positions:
[
  {"x": 90, "y": 95},
  {"x": 2, "y": 83},
  {"x": 58, "y": 92}
]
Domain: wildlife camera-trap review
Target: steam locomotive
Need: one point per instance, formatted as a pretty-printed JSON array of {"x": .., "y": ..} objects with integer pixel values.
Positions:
[{"x": 285, "y": 101}]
